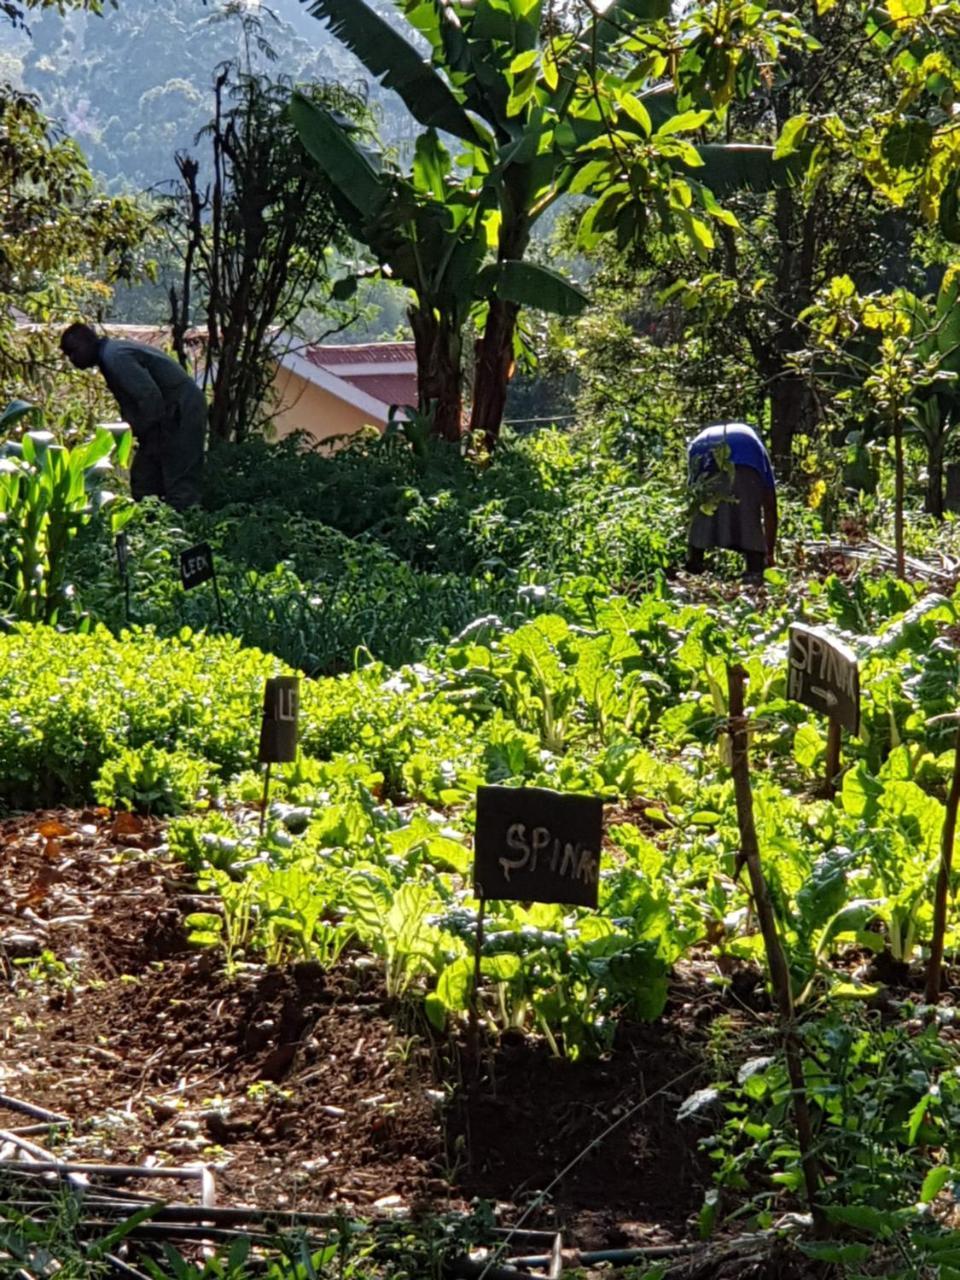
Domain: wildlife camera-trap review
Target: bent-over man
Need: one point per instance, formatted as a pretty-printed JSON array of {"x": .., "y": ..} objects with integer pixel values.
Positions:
[
  {"x": 165, "y": 408},
  {"x": 730, "y": 465}
]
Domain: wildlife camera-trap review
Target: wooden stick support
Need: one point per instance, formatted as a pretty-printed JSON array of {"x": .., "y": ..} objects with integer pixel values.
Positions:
[
  {"x": 475, "y": 990},
  {"x": 216, "y": 596},
  {"x": 776, "y": 959},
  {"x": 834, "y": 732},
  {"x": 265, "y": 801},
  {"x": 947, "y": 836}
]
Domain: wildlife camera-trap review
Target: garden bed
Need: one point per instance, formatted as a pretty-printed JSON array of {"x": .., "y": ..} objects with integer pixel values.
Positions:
[{"x": 309, "y": 1090}]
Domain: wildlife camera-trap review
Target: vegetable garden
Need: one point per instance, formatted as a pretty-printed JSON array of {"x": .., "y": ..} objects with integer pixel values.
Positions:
[
  {"x": 256, "y": 1017},
  {"x": 232, "y": 981}
]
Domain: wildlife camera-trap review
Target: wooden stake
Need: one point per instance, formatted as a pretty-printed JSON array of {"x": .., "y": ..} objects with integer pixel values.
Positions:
[
  {"x": 834, "y": 732},
  {"x": 943, "y": 880},
  {"x": 898, "y": 497},
  {"x": 475, "y": 992},
  {"x": 265, "y": 801},
  {"x": 776, "y": 960},
  {"x": 216, "y": 596}
]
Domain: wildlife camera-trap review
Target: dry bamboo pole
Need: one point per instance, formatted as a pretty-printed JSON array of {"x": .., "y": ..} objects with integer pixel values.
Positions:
[
  {"x": 776, "y": 960},
  {"x": 189, "y": 1172},
  {"x": 35, "y": 1113}
]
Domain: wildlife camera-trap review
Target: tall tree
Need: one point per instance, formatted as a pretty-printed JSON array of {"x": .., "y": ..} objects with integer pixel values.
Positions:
[
  {"x": 258, "y": 239},
  {"x": 63, "y": 241}
]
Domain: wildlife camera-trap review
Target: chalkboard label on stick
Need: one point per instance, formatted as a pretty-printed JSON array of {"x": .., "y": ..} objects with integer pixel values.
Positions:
[
  {"x": 535, "y": 845},
  {"x": 196, "y": 566},
  {"x": 281, "y": 711},
  {"x": 823, "y": 674}
]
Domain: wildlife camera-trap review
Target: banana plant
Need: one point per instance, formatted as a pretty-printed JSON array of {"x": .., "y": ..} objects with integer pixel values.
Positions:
[
  {"x": 47, "y": 492},
  {"x": 477, "y": 86},
  {"x": 426, "y": 230},
  {"x": 537, "y": 107}
]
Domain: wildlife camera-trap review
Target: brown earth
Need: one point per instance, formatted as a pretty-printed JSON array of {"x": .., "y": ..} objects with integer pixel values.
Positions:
[{"x": 307, "y": 1090}]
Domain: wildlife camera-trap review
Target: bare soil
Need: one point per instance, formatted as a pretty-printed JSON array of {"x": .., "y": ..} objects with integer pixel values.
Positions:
[{"x": 308, "y": 1090}]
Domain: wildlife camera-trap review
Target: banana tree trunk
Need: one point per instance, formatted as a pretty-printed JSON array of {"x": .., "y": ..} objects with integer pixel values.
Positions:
[
  {"x": 494, "y": 364},
  {"x": 439, "y": 384},
  {"x": 494, "y": 351}
]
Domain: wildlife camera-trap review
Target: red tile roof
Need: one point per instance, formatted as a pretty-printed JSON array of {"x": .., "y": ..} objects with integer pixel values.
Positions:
[
  {"x": 396, "y": 388},
  {"x": 374, "y": 353},
  {"x": 371, "y": 368}
]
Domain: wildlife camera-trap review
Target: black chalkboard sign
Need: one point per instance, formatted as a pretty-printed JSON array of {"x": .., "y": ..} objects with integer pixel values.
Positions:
[
  {"x": 279, "y": 730},
  {"x": 196, "y": 566},
  {"x": 823, "y": 674},
  {"x": 535, "y": 845}
]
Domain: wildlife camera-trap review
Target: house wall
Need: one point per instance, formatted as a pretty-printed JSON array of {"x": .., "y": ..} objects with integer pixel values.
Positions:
[{"x": 303, "y": 406}]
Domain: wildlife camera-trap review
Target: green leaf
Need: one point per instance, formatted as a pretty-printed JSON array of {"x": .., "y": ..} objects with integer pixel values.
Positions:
[
  {"x": 862, "y": 1217},
  {"x": 730, "y": 167},
  {"x": 396, "y": 64},
  {"x": 431, "y": 165},
  {"x": 637, "y": 112},
  {"x": 685, "y": 122},
  {"x": 936, "y": 1179},
  {"x": 838, "y": 1253},
  {"x": 100, "y": 1248},
  {"x": 341, "y": 160},
  {"x": 531, "y": 285},
  {"x": 808, "y": 746},
  {"x": 792, "y": 135},
  {"x": 523, "y": 61},
  {"x": 500, "y": 968},
  {"x": 906, "y": 145},
  {"x": 14, "y": 412},
  {"x": 455, "y": 984}
]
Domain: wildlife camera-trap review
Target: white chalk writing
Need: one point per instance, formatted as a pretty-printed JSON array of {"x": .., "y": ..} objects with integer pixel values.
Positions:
[
  {"x": 563, "y": 857},
  {"x": 813, "y": 655}
]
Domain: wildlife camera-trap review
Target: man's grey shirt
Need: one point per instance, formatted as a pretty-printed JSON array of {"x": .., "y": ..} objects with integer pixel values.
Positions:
[{"x": 147, "y": 385}]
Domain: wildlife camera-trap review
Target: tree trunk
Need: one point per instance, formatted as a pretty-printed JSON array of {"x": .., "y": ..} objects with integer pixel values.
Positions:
[
  {"x": 791, "y": 414},
  {"x": 438, "y": 349},
  {"x": 494, "y": 364},
  {"x": 933, "y": 501}
]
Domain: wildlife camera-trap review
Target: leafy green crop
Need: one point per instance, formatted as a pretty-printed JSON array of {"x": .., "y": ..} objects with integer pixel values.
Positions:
[{"x": 47, "y": 493}]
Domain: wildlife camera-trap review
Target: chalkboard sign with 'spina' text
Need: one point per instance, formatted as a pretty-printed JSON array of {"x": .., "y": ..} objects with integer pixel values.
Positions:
[
  {"x": 535, "y": 845},
  {"x": 196, "y": 565},
  {"x": 823, "y": 674},
  {"x": 281, "y": 710}
]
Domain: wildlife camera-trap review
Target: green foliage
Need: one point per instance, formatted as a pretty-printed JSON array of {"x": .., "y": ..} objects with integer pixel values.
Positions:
[
  {"x": 885, "y": 1099},
  {"x": 151, "y": 780},
  {"x": 47, "y": 493},
  {"x": 379, "y": 551},
  {"x": 64, "y": 240},
  {"x": 69, "y": 703}
]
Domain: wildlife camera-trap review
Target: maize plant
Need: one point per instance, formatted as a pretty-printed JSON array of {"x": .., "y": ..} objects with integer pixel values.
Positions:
[{"x": 47, "y": 493}]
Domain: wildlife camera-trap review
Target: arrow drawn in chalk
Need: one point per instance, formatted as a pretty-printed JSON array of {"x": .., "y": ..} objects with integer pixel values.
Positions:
[{"x": 829, "y": 697}]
